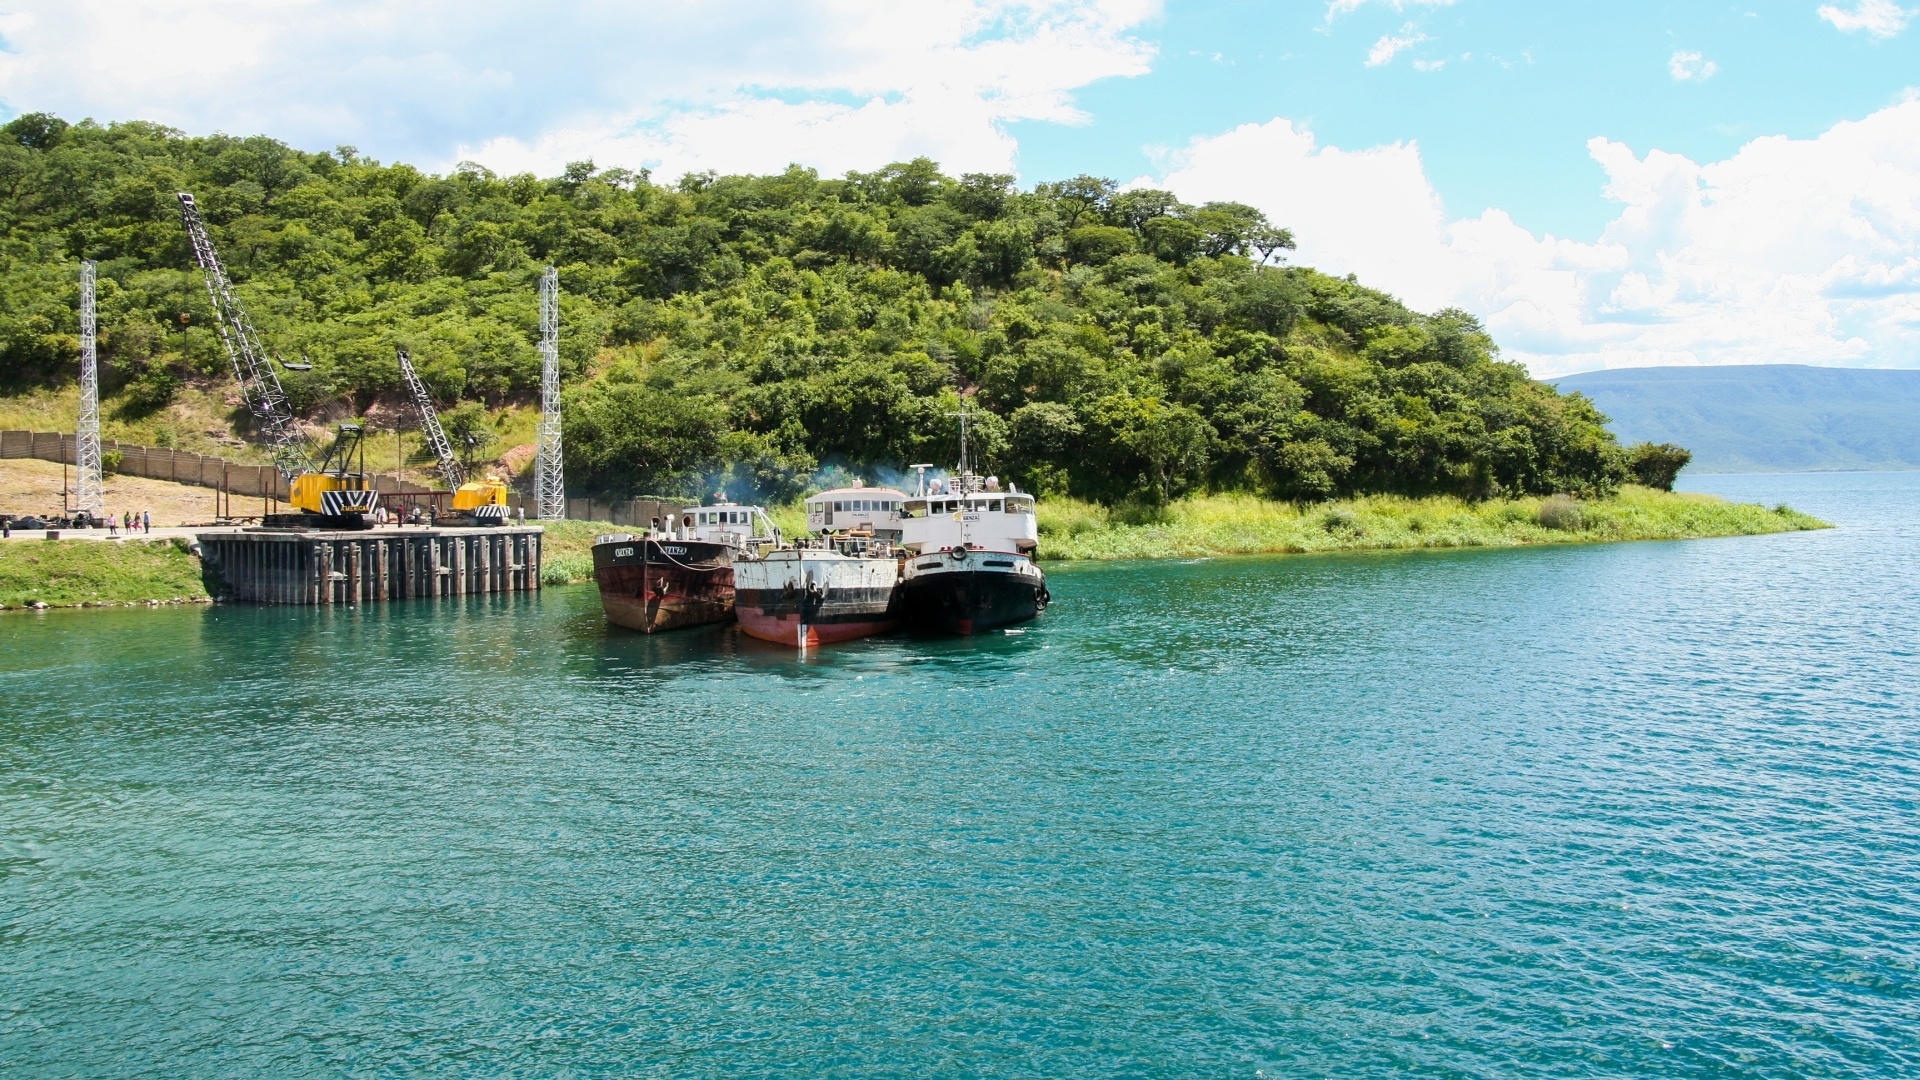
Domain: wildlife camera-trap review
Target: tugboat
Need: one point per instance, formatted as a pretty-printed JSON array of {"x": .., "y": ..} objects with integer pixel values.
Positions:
[
  {"x": 970, "y": 548},
  {"x": 681, "y": 574},
  {"x": 815, "y": 593}
]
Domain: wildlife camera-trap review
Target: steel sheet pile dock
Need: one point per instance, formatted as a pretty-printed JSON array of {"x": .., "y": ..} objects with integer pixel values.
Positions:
[{"x": 275, "y": 566}]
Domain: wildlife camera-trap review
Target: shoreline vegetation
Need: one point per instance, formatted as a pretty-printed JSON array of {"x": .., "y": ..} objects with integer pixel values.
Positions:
[
  {"x": 99, "y": 573},
  {"x": 1215, "y": 525},
  {"x": 90, "y": 573},
  {"x": 1245, "y": 525}
]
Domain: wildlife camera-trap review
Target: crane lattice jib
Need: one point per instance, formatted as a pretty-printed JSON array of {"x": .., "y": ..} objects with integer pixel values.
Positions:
[
  {"x": 251, "y": 367},
  {"x": 450, "y": 469}
]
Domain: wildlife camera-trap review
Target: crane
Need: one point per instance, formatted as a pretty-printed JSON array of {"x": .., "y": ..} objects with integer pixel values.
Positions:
[
  {"x": 483, "y": 501},
  {"x": 331, "y": 494}
]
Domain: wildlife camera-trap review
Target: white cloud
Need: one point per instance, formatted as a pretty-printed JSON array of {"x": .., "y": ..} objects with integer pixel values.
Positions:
[
  {"x": 1791, "y": 250},
  {"x": 1879, "y": 18},
  {"x": 1337, "y": 8},
  {"x": 1691, "y": 67},
  {"x": 1390, "y": 46},
  {"x": 674, "y": 84}
]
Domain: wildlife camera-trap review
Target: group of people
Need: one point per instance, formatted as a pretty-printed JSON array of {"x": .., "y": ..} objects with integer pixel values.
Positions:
[{"x": 130, "y": 522}]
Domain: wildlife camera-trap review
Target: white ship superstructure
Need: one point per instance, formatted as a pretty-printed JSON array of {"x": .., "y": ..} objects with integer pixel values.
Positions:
[
  {"x": 874, "y": 510},
  {"x": 970, "y": 547}
]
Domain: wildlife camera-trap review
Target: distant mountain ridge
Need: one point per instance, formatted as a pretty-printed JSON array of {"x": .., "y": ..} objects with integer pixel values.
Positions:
[{"x": 1765, "y": 417}]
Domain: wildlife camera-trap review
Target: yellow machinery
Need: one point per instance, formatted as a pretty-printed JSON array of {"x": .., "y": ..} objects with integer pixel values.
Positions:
[
  {"x": 340, "y": 489},
  {"x": 484, "y": 502},
  {"x": 334, "y": 495}
]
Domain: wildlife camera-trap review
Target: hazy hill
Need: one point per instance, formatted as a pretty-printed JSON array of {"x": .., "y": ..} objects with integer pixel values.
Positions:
[{"x": 1765, "y": 417}]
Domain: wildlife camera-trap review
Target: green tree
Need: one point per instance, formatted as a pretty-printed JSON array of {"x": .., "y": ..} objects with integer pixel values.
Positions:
[
  {"x": 741, "y": 331},
  {"x": 1657, "y": 465}
]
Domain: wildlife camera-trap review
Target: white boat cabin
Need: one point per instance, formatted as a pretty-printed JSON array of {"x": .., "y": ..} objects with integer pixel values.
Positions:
[
  {"x": 856, "y": 509},
  {"x": 725, "y": 523},
  {"x": 968, "y": 513}
]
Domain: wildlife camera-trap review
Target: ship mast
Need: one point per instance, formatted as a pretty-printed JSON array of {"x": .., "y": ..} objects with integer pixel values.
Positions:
[{"x": 965, "y": 473}]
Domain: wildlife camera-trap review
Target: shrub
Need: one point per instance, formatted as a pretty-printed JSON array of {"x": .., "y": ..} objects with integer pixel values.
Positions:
[
  {"x": 1559, "y": 512},
  {"x": 1343, "y": 520},
  {"x": 1139, "y": 511},
  {"x": 566, "y": 569},
  {"x": 1071, "y": 517},
  {"x": 110, "y": 461},
  {"x": 1656, "y": 465}
]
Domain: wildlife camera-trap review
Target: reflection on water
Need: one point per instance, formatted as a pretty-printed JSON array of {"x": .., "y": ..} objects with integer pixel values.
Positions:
[{"x": 1640, "y": 809}]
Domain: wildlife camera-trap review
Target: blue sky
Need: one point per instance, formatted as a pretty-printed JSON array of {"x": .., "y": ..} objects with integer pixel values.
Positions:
[
  {"x": 1504, "y": 123},
  {"x": 1617, "y": 184}
]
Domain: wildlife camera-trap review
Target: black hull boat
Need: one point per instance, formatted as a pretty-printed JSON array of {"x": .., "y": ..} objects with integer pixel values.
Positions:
[{"x": 962, "y": 591}]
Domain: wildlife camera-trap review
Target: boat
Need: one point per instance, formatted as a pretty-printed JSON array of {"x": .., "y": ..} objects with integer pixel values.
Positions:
[
  {"x": 680, "y": 573},
  {"x": 970, "y": 547},
  {"x": 818, "y": 592},
  {"x": 875, "y": 510}
]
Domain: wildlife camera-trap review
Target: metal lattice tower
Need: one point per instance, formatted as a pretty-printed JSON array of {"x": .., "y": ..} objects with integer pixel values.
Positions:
[
  {"x": 90, "y": 488},
  {"x": 549, "y": 479},
  {"x": 450, "y": 469},
  {"x": 252, "y": 368}
]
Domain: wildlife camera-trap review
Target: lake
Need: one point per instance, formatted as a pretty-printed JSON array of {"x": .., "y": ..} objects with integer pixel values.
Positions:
[{"x": 1627, "y": 810}]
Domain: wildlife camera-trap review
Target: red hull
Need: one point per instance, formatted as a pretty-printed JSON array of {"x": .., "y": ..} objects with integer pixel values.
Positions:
[
  {"x": 651, "y": 586},
  {"x": 787, "y": 629}
]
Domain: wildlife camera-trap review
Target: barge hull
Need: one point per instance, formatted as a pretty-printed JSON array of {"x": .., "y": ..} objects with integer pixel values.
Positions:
[
  {"x": 645, "y": 587},
  {"x": 803, "y": 623}
]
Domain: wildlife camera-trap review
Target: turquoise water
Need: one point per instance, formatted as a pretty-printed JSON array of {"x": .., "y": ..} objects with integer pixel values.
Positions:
[{"x": 1635, "y": 810}]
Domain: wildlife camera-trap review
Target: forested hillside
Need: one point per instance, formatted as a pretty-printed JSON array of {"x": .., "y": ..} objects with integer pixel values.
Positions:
[{"x": 749, "y": 330}]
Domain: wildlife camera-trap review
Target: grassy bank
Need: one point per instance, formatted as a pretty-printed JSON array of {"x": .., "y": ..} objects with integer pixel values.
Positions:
[
  {"x": 566, "y": 551},
  {"x": 1241, "y": 525},
  {"x": 74, "y": 573},
  {"x": 83, "y": 573}
]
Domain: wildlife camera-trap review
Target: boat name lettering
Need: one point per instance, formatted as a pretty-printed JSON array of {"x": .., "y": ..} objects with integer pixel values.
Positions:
[{"x": 621, "y": 553}]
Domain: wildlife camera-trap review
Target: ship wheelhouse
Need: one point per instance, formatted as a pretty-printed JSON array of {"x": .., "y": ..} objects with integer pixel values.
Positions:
[
  {"x": 726, "y": 523},
  {"x": 856, "y": 509},
  {"x": 952, "y": 516}
]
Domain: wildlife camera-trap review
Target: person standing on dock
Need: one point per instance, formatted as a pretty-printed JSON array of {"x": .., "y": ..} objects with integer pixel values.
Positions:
[{"x": 146, "y": 522}]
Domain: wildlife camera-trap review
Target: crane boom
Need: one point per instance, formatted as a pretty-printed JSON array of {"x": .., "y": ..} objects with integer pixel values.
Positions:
[
  {"x": 251, "y": 366},
  {"x": 450, "y": 469}
]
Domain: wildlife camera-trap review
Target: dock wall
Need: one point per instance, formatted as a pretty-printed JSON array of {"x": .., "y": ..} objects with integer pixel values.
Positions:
[
  {"x": 257, "y": 566},
  {"x": 185, "y": 467},
  {"x": 264, "y": 482}
]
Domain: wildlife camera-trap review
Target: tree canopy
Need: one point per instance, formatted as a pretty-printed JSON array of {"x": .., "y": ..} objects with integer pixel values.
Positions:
[{"x": 749, "y": 330}]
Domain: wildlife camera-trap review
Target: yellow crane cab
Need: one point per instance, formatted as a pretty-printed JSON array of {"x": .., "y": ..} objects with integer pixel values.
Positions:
[
  {"x": 339, "y": 494},
  {"x": 483, "y": 501}
]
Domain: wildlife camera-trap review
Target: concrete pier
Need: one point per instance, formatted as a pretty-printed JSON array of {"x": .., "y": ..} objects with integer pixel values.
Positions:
[{"x": 284, "y": 566}]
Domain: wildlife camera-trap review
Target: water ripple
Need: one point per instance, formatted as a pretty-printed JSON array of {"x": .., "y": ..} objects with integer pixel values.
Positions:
[{"x": 1622, "y": 811}]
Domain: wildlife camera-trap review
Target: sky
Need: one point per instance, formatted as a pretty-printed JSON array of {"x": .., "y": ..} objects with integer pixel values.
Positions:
[{"x": 1605, "y": 185}]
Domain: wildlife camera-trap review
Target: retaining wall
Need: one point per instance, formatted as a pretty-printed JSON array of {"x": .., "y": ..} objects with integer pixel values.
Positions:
[{"x": 263, "y": 481}]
